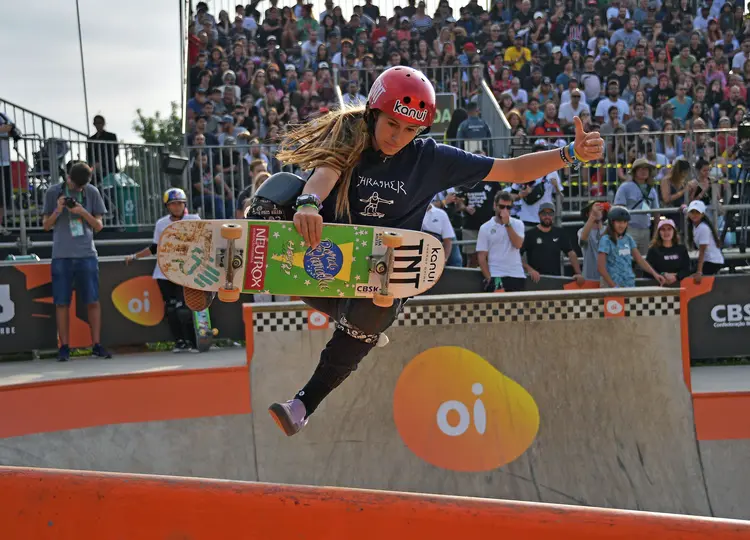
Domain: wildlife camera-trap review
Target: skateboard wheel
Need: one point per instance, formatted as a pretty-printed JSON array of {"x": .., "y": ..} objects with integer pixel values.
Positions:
[
  {"x": 215, "y": 331},
  {"x": 229, "y": 295},
  {"x": 231, "y": 231},
  {"x": 392, "y": 240},
  {"x": 382, "y": 300}
]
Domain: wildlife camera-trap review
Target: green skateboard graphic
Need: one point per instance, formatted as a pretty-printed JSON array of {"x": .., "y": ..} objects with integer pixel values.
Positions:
[{"x": 270, "y": 257}]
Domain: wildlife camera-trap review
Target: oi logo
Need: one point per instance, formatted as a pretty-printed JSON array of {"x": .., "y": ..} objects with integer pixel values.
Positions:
[
  {"x": 139, "y": 300},
  {"x": 454, "y": 410}
]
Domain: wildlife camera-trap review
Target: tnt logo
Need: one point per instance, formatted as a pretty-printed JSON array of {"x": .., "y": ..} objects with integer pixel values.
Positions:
[
  {"x": 454, "y": 410},
  {"x": 139, "y": 300}
]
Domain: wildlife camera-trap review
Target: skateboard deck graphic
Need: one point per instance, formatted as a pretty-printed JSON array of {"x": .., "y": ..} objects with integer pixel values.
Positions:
[
  {"x": 270, "y": 257},
  {"x": 204, "y": 331}
]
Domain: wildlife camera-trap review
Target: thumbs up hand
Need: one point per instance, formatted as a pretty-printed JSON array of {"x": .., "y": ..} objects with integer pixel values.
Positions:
[{"x": 588, "y": 146}]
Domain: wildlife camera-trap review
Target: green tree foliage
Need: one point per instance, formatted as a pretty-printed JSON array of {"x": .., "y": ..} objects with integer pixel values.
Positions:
[{"x": 158, "y": 130}]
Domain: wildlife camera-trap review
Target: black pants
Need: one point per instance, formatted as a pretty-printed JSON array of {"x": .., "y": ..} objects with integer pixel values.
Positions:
[
  {"x": 710, "y": 269},
  {"x": 358, "y": 325},
  {"x": 179, "y": 316}
]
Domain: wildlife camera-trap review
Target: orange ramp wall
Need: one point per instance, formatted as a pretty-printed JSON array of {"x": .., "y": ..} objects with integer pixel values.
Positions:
[{"x": 77, "y": 505}]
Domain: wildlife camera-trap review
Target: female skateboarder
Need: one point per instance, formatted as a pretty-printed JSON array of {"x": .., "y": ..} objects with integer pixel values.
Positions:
[{"x": 369, "y": 168}]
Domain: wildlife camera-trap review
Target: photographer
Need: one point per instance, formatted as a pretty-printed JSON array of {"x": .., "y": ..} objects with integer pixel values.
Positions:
[
  {"x": 73, "y": 210},
  {"x": 7, "y": 130}
]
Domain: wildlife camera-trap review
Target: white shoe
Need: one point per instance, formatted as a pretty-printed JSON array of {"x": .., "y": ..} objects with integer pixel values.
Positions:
[{"x": 382, "y": 340}]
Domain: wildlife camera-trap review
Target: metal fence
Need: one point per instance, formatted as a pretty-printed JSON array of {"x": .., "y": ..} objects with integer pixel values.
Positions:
[
  {"x": 129, "y": 177},
  {"x": 218, "y": 179}
]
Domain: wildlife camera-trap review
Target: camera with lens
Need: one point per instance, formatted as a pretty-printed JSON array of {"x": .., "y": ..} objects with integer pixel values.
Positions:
[
  {"x": 70, "y": 202},
  {"x": 14, "y": 133}
]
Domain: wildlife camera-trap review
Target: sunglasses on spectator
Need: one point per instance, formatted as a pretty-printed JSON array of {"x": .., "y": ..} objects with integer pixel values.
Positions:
[
  {"x": 546, "y": 213},
  {"x": 505, "y": 206}
]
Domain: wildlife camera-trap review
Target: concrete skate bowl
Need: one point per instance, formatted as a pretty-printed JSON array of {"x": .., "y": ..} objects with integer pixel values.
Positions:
[{"x": 586, "y": 402}]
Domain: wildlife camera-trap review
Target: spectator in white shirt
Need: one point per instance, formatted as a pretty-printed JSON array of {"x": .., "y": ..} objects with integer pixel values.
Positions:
[
  {"x": 499, "y": 245},
  {"x": 612, "y": 100},
  {"x": 353, "y": 97},
  {"x": 518, "y": 94},
  {"x": 438, "y": 224},
  {"x": 572, "y": 108},
  {"x": 532, "y": 195}
]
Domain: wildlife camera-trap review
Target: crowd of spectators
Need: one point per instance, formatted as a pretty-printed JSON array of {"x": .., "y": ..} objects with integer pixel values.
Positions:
[{"x": 628, "y": 68}]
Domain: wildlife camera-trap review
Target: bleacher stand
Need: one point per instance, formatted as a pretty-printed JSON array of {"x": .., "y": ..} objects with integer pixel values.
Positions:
[{"x": 627, "y": 67}]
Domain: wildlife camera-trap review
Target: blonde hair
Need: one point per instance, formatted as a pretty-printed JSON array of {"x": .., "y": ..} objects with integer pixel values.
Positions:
[{"x": 335, "y": 140}]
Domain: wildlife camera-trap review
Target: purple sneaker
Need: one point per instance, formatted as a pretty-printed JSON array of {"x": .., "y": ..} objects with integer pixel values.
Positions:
[{"x": 289, "y": 416}]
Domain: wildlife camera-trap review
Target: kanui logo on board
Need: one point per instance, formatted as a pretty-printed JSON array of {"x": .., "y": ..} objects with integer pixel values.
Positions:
[
  {"x": 139, "y": 300},
  {"x": 454, "y": 410}
]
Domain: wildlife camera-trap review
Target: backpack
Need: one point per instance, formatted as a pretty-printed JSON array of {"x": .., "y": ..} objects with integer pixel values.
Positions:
[{"x": 537, "y": 192}]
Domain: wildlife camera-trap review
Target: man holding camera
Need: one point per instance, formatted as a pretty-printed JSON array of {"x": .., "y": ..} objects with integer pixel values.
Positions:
[{"x": 73, "y": 210}]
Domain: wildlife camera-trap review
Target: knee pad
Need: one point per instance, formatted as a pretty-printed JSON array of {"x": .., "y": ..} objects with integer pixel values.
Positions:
[
  {"x": 276, "y": 197},
  {"x": 348, "y": 328},
  {"x": 364, "y": 321}
]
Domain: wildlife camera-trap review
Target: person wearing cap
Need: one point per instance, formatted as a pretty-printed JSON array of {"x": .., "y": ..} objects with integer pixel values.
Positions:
[
  {"x": 594, "y": 215},
  {"x": 227, "y": 128},
  {"x": 531, "y": 195},
  {"x": 639, "y": 193},
  {"x": 517, "y": 55},
  {"x": 702, "y": 234},
  {"x": 617, "y": 252},
  {"x": 570, "y": 109},
  {"x": 542, "y": 246},
  {"x": 474, "y": 128},
  {"x": 667, "y": 255}
]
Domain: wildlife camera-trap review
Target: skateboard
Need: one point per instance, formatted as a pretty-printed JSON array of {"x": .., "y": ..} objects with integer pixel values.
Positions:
[
  {"x": 204, "y": 332},
  {"x": 230, "y": 257}
]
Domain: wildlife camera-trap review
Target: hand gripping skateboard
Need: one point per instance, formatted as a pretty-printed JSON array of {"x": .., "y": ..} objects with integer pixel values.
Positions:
[{"x": 230, "y": 257}]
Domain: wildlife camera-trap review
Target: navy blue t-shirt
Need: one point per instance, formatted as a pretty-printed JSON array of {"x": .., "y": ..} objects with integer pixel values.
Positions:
[{"x": 395, "y": 192}]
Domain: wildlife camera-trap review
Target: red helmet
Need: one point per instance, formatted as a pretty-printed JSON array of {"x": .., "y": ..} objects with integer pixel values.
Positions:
[{"x": 404, "y": 93}]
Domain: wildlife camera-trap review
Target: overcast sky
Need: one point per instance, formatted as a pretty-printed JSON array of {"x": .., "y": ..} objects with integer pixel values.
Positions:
[{"x": 131, "y": 54}]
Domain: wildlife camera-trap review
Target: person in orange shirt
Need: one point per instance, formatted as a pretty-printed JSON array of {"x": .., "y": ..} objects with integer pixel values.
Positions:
[{"x": 517, "y": 55}]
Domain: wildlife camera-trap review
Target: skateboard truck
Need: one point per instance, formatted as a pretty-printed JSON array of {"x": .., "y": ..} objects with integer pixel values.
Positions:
[
  {"x": 230, "y": 232},
  {"x": 382, "y": 265}
]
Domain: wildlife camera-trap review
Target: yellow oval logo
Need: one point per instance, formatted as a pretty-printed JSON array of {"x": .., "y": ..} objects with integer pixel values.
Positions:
[
  {"x": 139, "y": 300},
  {"x": 454, "y": 410}
]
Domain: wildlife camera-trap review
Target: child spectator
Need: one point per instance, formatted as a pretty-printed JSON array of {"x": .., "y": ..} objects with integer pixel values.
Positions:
[{"x": 617, "y": 251}]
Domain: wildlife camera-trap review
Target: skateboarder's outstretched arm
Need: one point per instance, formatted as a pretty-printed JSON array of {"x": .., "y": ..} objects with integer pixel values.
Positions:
[{"x": 529, "y": 167}]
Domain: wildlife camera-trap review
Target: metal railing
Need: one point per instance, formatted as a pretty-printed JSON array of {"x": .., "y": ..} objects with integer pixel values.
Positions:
[
  {"x": 131, "y": 179},
  {"x": 218, "y": 179},
  {"x": 32, "y": 124}
]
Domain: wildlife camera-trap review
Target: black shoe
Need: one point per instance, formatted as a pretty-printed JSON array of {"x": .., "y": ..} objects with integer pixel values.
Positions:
[
  {"x": 63, "y": 355},
  {"x": 100, "y": 351}
]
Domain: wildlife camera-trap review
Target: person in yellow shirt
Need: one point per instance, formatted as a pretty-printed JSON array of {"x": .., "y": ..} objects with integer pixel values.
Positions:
[{"x": 517, "y": 55}]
